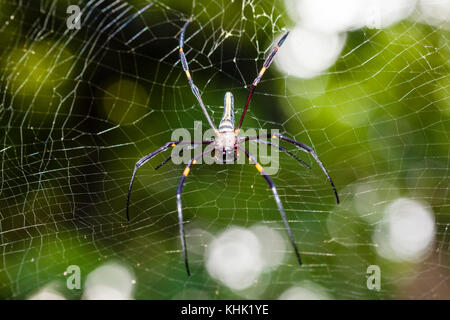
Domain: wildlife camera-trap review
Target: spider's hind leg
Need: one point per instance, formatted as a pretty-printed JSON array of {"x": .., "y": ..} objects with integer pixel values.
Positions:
[
  {"x": 277, "y": 199},
  {"x": 179, "y": 207}
]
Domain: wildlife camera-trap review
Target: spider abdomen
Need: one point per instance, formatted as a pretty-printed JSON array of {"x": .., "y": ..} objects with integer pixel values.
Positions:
[{"x": 227, "y": 122}]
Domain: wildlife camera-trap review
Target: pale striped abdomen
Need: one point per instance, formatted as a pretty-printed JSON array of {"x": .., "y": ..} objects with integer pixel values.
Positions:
[{"x": 227, "y": 121}]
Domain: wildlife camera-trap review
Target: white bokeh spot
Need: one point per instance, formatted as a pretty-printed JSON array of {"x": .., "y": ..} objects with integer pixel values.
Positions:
[
  {"x": 333, "y": 16},
  {"x": 273, "y": 245},
  {"x": 309, "y": 52},
  {"x": 434, "y": 12},
  {"x": 407, "y": 232},
  {"x": 111, "y": 281},
  {"x": 306, "y": 290},
  {"x": 235, "y": 259},
  {"x": 49, "y": 292}
]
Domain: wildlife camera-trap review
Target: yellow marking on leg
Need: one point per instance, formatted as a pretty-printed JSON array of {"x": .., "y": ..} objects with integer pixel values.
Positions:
[
  {"x": 262, "y": 71},
  {"x": 188, "y": 74},
  {"x": 274, "y": 136},
  {"x": 194, "y": 162},
  {"x": 277, "y": 47},
  {"x": 258, "y": 167},
  {"x": 181, "y": 50},
  {"x": 186, "y": 171},
  {"x": 173, "y": 145}
]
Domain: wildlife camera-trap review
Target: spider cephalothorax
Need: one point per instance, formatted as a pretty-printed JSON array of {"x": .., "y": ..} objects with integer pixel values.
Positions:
[{"x": 227, "y": 144}]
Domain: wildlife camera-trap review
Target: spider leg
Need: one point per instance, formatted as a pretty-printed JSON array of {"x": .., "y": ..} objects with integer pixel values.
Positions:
[
  {"x": 181, "y": 152},
  {"x": 255, "y": 82},
  {"x": 194, "y": 88},
  {"x": 303, "y": 147},
  {"x": 277, "y": 199},
  {"x": 179, "y": 208},
  {"x": 143, "y": 160},
  {"x": 303, "y": 163}
]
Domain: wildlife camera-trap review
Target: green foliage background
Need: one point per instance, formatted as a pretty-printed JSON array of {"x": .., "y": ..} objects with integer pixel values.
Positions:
[{"x": 78, "y": 108}]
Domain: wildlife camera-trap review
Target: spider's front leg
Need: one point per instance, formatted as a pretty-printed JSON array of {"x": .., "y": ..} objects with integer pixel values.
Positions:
[
  {"x": 143, "y": 160},
  {"x": 255, "y": 82},
  {"x": 194, "y": 88}
]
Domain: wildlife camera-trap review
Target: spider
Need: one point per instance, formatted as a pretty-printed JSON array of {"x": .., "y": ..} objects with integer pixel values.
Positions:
[{"x": 227, "y": 142}]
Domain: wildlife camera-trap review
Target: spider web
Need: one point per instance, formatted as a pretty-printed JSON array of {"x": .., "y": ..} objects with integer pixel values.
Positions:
[{"x": 79, "y": 107}]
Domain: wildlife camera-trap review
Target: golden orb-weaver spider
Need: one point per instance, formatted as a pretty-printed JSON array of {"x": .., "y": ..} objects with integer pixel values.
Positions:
[{"x": 228, "y": 142}]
